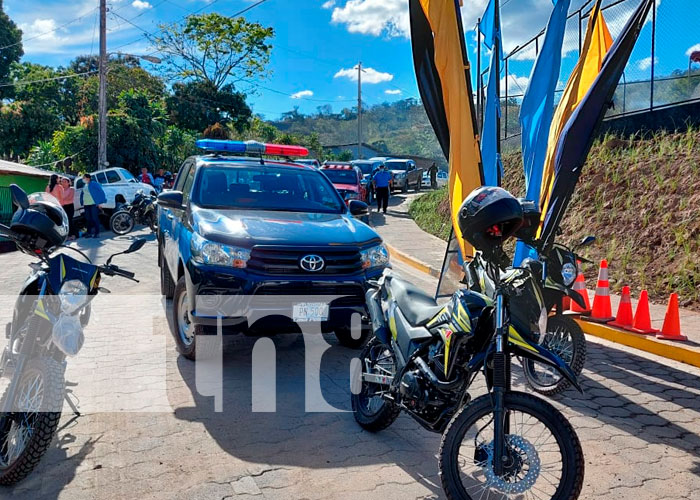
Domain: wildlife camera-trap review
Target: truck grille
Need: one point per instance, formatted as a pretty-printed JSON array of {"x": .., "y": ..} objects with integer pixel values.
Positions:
[
  {"x": 349, "y": 294},
  {"x": 285, "y": 260}
]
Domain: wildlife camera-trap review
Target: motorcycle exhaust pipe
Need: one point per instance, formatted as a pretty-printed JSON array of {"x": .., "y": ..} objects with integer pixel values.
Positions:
[
  {"x": 425, "y": 369},
  {"x": 374, "y": 308}
]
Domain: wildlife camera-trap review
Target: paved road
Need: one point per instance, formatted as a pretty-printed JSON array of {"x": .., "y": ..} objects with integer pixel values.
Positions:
[{"x": 148, "y": 434}]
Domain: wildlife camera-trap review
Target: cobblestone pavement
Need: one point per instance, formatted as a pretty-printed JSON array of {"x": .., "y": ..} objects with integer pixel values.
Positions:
[{"x": 638, "y": 420}]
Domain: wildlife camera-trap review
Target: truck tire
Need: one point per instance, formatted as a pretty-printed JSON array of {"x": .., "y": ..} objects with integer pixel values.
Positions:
[{"x": 167, "y": 285}]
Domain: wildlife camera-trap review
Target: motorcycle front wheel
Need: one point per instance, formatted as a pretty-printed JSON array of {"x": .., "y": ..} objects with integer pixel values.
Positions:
[
  {"x": 27, "y": 430},
  {"x": 543, "y": 455},
  {"x": 121, "y": 222},
  {"x": 565, "y": 339}
]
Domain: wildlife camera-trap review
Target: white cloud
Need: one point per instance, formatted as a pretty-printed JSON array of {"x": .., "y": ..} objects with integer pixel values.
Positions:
[
  {"x": 645, "y": 63},
  {"x": 328, "y": 5},
  {"x": 374, "y": 17},
  {"x": 692, "y": 49},
  {"x": 517, "y": 85},
  {"x": 141, "y": 5},
  {"x": 369, "y": 75},
  {"x": 302, "y": 93},
  {"x": 392, "y": 92}
]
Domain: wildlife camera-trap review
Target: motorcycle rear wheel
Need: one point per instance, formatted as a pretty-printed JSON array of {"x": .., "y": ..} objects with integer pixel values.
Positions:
[
  {"x": 371, "y": 411},
  {"x": 28, "y": 434},
  {"x": 565, "y": 339},
  {"x": 121, "y": 222},
  {"x": 545, "y": 459}
]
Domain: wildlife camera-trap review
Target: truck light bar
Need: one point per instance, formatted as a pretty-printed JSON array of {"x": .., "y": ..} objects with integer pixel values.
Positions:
[{"x": 251, "y": 147}]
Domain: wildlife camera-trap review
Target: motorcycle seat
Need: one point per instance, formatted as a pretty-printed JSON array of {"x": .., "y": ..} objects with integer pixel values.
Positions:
[{"x": 417, "y": 306}]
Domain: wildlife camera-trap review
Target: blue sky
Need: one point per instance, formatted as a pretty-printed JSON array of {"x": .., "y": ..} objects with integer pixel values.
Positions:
[{"x": 318, "y": 42}]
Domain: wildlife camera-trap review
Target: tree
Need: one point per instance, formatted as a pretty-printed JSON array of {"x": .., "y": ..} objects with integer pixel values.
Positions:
[
  {"x": 175, "y": 145},
  {"x": 22, "y": 124},
  {"x": 197, "y": 105},
  {"x": 11, "y": 43},
  {"x": 214, "y": 48},
  {"x": 58, "y": 96}
]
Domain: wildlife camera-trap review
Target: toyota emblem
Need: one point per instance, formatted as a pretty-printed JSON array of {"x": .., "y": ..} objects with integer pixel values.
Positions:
[{"x": 312, "y": 263}]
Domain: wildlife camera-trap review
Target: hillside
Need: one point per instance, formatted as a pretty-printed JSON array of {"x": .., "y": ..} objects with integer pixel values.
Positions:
[
  {"x": 640, "y": 197},
  {"x": 401, "y": 127}
]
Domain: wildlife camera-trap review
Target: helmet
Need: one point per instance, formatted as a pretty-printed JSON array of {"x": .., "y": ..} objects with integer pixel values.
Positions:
[
  {"x": 531, "y": 220},
  {"x": 44, "y": 219},
  {"x": 489, "y": 216}
]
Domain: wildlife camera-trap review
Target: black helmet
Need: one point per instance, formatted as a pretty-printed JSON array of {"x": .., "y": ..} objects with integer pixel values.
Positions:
[
  {"x": 531, "y": 220},
  {"x": 489, "y": 216},
  {"x": 44, "y": 219}
]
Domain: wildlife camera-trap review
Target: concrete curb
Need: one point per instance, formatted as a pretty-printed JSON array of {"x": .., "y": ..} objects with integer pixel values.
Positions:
[
  {"x": 675, "y": 352},
  {"x": 412, "y": 261}
]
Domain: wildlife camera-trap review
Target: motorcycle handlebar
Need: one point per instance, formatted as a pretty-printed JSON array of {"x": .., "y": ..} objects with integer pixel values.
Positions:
[{"x": 112, "y": 270}]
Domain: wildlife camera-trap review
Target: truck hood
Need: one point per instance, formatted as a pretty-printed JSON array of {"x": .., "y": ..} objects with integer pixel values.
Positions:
[
  {"x": 248, "y": 228},
  {"x": 347, "y": 187}
]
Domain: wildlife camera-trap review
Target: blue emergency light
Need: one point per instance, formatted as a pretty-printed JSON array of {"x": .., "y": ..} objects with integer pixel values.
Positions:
[{"x": 251, "y": 147}]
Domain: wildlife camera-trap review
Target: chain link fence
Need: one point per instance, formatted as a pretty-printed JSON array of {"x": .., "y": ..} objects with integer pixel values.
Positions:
[{"x": 660, "y": 72}]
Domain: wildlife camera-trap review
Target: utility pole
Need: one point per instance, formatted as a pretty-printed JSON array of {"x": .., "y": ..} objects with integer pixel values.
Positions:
[
  {"x": 359, "y": 110},
  {"x": 102, "y": 105}
]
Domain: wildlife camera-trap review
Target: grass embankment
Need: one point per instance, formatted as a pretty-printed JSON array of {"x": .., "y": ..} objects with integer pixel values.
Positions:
[{"x": 640, "y": 197}]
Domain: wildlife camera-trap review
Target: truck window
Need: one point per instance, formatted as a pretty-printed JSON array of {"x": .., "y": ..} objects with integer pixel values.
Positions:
[
  {"x": 112, "y": 176},
  {"x": 101, "y": 178}
]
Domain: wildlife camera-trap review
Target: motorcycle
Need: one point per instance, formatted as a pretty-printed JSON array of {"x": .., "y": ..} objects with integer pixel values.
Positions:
[
  {"x": 555, "y": 270},
  {"x": 141, "y": 211},
  {"x": 47, "y": 324},
  {"x": 423, "y": 359}
]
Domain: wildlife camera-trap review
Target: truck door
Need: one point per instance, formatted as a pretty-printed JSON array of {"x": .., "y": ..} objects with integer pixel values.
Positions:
[{"x": 169, "y": 219}]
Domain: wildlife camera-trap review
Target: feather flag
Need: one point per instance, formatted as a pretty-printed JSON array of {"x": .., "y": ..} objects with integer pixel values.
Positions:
[
  {"x": 595, "y": 47},
  {"x": 538, "y": 107},
  {"x": 451, "y": 69},
  {"x": 578, "y": 133},
  {"x": 492, "y": 166}
]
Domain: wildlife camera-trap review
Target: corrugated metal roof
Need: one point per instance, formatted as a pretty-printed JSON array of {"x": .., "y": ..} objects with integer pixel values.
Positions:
[{"x": 8, "y": 167}]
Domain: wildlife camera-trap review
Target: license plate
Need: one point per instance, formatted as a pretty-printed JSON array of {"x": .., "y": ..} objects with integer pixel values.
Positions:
[{"x": 310, "y": 311}]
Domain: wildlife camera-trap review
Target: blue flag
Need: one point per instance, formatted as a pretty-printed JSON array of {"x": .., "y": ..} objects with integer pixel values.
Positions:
[
  {"x": 490, "y": 159},
  {"x": 537, "y": 108},
  {"x": 488, "y": 27}
]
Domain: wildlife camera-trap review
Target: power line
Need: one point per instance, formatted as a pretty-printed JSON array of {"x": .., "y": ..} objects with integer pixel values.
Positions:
[{"x": 63, "y": 77}]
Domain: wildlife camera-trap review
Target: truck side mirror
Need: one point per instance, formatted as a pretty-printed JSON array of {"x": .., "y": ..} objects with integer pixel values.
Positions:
[{"x": 170, "y": 199}]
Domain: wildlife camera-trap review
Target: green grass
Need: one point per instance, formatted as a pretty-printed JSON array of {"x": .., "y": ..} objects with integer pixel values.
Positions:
[{"x": 431, "y": 213}]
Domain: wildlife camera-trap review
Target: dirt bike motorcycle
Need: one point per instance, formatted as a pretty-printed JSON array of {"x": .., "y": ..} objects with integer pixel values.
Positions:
[
  {"x": 50, "y": 313},
  {"x": 424, "y": 357},
  {"x": 141, "y": 211}
]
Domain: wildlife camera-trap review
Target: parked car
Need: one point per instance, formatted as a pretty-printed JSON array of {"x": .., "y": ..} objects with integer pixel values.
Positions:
[
  {"x": 404, "y": 174},
  {"x": 119, "y": 185},
  {"x": 311, "y": 162},
  {"x": 242, "y": 227},
  {"x": 368, "y": 168},
  {"x": 347, "y": 179},
  {"x": 441, "y": 179}
]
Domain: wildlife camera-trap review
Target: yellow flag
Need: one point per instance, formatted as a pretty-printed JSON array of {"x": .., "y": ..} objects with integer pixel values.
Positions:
[
  {"x": 595, "y": 46},
  {"x": 465, "y": 156}
]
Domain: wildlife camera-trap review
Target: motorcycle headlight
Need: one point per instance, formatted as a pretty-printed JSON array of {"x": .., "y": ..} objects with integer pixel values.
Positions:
[
  {"x": 212, "y": 253},
  {"x": 67, "y": 335},
  {"x": 375, "y": 256},
  {"x": 568, "y": 273},
  {"x": 73, "y": 295}
]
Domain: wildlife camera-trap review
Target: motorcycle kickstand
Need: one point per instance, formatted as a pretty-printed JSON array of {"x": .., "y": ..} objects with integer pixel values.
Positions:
[{"x": 71, "y": 403}]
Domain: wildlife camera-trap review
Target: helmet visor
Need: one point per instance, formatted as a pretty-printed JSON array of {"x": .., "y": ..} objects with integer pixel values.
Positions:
[{"x": 60, "y": 217}]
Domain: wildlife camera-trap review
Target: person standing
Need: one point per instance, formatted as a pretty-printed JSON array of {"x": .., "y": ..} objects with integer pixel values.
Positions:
[
  {"x": 54, "y": 188},
  {"x": 159, "y": 180},
  {"x": 67, "y": 202},
  {"x": 92, "y": 197},
  {"x": 433, "y": 170},
  {"x": 381, "y": 182},
  {"x": 146, "y": 177}
]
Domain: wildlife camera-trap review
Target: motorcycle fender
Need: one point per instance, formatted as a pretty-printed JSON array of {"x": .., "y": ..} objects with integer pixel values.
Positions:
[
  {"x": 522, "y": 347},
  {"x": 576, "y": 297}
]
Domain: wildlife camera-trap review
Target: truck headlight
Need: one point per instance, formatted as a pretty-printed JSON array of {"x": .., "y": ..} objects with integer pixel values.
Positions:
[
  {"x": 73, "y": 296},
  {"x": 375, "y": 256},
  {"x": 568, "y": 273},
  {"x": 217, "y": 254},
  {"x": 400, "y": 175}
]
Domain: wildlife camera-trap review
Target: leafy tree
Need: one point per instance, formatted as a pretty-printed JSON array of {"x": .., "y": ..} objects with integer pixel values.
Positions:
[
  {"x": 196, "y": 105},
  {"x": 214, "y": 48},
  {"x": 21, "y": 125},
  {"x": 58, "y": 96},
  {"x": 216, "y": 131},
  {"x": 175, "y": 145},
  {"x": 258, "y": 130},
  {"x": 11, "y": 41}
]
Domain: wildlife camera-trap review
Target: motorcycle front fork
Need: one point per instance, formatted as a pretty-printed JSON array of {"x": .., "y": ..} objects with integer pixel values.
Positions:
[{"x": 501, "y": 385}]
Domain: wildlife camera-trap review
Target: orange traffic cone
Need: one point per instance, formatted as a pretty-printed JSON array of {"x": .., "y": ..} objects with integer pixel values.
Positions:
[
  {"x": 602, "y": 309},
  {"x": 642, "y": 318},
  {"x": 566, "y": 303},
  {"x": 623, "y": 319},
  {"x": 672, "y": 323},
  {"x": 580, "y": 287}
]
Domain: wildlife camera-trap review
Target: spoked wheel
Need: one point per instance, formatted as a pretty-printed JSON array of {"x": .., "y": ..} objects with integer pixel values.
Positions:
[
  {"x": 121, "y": 222},
  {"x": 565, "y": 339},
  {"x": 372, "y": 411},
  {"x": 543, "y": 456},
  {"x": 26, "y": 432}
]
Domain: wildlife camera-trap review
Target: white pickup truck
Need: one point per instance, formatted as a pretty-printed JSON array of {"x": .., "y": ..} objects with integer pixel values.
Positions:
[{"x": 119, "y": 185}]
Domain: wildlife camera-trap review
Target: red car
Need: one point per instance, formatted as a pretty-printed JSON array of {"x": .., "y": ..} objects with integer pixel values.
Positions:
[{"x": 347, "y": 179}]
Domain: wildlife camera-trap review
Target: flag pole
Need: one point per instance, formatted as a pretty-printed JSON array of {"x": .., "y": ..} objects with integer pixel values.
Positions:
[{"x": 497, "y": 61}]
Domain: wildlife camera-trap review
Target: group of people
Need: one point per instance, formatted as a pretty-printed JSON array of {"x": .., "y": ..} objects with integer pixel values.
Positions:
[
  {"x": 162, "y": 179},
  {"x": 92, "y": 196}
]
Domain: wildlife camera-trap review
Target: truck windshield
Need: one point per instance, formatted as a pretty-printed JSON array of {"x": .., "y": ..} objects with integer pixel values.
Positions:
[
  {"x": 266, "y": 187},
  {"x": 397, "y": 165},
  {"x": 341, "y": 176},
  {"x": 365, "y": 166}
]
